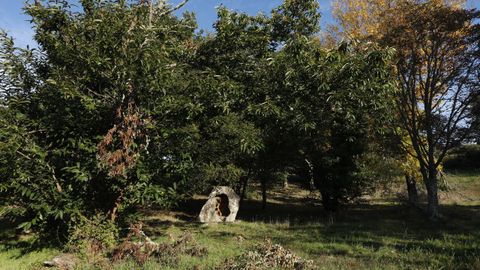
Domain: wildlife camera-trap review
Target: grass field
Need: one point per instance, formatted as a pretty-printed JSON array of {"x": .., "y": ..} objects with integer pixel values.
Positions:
[{"x": 372, "y": 235}]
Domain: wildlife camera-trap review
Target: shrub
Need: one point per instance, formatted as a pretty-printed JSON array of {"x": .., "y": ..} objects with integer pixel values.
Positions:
[
  {"x": 76, "y": 130},
  {"x": 93, "y": 237},
  {"x": 465, "y": 157},
  {"x": 141, "y": 248}
]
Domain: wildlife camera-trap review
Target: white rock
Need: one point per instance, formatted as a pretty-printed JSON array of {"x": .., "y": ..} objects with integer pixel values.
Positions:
[{"x": 222, "y": 206}]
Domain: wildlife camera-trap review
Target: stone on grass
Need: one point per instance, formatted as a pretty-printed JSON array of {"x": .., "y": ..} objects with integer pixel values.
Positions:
[
  {"x": 62, "y": 261},
  {"x": 222, "y": 206}
]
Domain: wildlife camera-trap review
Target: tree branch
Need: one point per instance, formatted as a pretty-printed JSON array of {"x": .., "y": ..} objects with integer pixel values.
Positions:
[{"x": 177, "y": 7}]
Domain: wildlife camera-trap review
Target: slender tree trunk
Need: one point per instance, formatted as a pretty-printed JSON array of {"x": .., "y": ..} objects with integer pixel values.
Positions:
[
  {"x": 432, "y": 193},
  {"x": 244, "y": 189},
  {"x": 238, "y": 188},
  {"x": 311, "y": 181},
  {"x": 412, "y": 190},
  {"x": 244, "y": 185},
  {"x": 312, "y": 184},
  {"x": 264, "y": 192},
  {"x": 116, "y": 206},
  {"x": 285, "y": 181}
]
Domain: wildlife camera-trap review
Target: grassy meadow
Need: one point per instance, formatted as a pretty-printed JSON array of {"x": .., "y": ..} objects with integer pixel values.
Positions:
[{"x": 378, "y": 233}]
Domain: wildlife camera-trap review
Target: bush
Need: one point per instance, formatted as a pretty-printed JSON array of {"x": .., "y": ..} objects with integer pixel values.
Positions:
[
  {"x": 93, "y": 237},
  {"x": 76, "y": 131},
  {"x": 463, "y": 158},
  {"x": 141, "y": 248}
]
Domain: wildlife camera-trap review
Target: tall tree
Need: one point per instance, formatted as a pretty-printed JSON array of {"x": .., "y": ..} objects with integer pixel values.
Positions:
[
  {"x": 427, "y": 58},
  {"x": 243, "y": 50},
  {"x": 238, "y": 53},
  {"x": 353, "y": 86},
  {"x": 437, "y": 62}
]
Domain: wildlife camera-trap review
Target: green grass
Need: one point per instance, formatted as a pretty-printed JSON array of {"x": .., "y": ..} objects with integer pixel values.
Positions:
[
  {"x": 18, "y": 252},
  {"x": 366, "y": 236},
  {"x": 15, "y": 259}
]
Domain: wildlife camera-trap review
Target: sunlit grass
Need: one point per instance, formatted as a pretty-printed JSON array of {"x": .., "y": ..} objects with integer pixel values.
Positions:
[
  {"x": 13, "y": 259},
  {"x": 16, "y": 253}
]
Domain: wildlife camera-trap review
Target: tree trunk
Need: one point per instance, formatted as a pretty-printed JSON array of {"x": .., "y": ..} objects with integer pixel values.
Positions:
[
  {"x": 412, "y": 190},
  {"x": 329, "y": 202},
  {"x": 244, "y": 189},
  {"x": 432, "y": 193},
  {"x": 311, "y": 181},
  {"x": 116, "y": 206},
  {"x": 238, "y": 188},
  {"x": 264, "y": 192},
  {"x": 312, "y": 184}
]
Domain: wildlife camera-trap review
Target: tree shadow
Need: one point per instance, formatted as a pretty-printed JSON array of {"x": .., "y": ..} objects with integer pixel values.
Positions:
[
  {"x": 374, "y": 227},
  {"x": 12, "y": 238},
  {"x": 395, "y": 227}
]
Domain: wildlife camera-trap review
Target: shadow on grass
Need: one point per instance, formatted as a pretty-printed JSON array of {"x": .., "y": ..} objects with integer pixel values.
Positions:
[
  {"x": 456, "y": 218},
  {"x": 366, "y": 231},
  {"x": 372, "y": 233},
  {"x": 13, "y": 239}
]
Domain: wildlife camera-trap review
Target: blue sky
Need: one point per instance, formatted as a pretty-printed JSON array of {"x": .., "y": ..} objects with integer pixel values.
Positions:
[{"x": 17, "y": 25}]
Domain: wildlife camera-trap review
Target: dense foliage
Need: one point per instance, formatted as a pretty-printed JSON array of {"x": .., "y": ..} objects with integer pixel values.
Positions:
[{"x": 122, "y": 104}]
